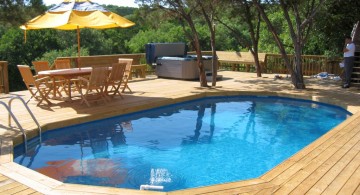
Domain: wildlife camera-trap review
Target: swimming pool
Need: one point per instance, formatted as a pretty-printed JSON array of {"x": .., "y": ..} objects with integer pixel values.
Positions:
[{"x": 196, "y": 143}]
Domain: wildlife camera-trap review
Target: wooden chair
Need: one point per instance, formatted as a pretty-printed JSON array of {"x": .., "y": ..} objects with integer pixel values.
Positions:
[
  {"x": 39, "y": 88},
  {"x": 62, "y": 64},
  {"x": 127, "y": 74},
  {"x": 41, "y": 66},
  {"x": 95, "y": 85},
  {"x": 44, "y": 66},
  {"x": 66, "y": 64},
  {"x": 115, "y": 79}
]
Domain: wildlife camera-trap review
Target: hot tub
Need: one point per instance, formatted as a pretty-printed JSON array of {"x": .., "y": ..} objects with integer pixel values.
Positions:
[
  {"x": 180, "y": 67},
  {"x": 170, "y": 61}
]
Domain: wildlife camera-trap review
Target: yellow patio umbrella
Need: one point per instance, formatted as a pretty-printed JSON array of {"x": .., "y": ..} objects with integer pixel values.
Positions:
[{"x": 77, "y": 14}]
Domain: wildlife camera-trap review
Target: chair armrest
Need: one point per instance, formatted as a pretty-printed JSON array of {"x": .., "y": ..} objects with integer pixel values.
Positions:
[{"x": 42, "y": 79}]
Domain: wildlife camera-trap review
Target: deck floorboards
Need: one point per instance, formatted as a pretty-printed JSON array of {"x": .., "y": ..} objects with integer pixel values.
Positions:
[{"x": 330, "y": 165}]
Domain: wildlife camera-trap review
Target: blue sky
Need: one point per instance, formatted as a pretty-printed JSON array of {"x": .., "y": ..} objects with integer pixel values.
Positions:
[{"x": 129, "y": 3}]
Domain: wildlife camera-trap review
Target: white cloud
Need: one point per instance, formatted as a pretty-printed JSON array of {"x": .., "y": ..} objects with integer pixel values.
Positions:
[{"x": 128, "y": 3}]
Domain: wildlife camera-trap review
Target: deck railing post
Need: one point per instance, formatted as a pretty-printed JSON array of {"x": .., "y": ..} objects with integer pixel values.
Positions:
[{"x": 4, "y": 77}]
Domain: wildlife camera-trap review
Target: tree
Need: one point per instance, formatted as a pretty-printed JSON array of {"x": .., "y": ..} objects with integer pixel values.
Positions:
[
  {"x": 332, "y": 25},
  {"x": 242, "y": 8},
  {"x": 16, "y": 12},
  {"x": 299, "y": 24},
  {"x": 169, "y": 31},
  {"x": 12, "y": 12},
  {"x": 254, "y": 29},
  {"x": 208, "y": 11}
]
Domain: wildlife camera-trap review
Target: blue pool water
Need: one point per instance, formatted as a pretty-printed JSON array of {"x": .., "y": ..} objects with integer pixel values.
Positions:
[{"x": 191, "y": 144}]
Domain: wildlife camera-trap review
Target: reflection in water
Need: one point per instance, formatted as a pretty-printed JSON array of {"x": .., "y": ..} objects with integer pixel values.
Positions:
[
  {"x": 199, "y": 124},
  {"x": 99, "y": 144},
  {"x": 250, "y": 126},
  {"x": 212, "y": 120},
  {"x": 127, "y": 126},
  {"x": 118, "y": 136},
  {"x": 105, "y": 170},
  {"x": 31, "y": 153}
]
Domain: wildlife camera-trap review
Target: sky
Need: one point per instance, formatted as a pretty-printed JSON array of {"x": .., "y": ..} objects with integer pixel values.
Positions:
[{"x": 128, "y": 3}]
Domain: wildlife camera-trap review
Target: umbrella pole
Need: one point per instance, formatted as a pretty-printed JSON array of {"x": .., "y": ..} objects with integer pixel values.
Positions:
[{"x": 78, "y": 40}]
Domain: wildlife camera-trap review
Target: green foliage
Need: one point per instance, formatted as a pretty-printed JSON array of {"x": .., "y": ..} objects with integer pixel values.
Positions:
[
  {"x": 16, "y": 12},
  {"x": 232, "y": 30},
  {"x": 122, "y": 11},
  {"x": 13, "y": 50},
  {"x": 225, "y": 40},
  {"x": 267, "y": 42},
  {"x": 12, "y": 12},
  {"x": 331, "y": 55},
  {"x": 95, "y": 41},
  {"x": 50, "y": 56},
  {"x": 167, "y": 32},
  {"x": 333, "y": 23}
]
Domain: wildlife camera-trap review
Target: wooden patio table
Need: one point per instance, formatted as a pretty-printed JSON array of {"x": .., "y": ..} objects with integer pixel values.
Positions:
[{"x": 66, "y": 74}]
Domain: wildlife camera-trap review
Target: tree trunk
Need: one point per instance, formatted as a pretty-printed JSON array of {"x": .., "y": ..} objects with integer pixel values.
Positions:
[
  {"x": 203, "y": 82},
  {"x": 254, "y": 35},
  {"x": 214, "y": 62},
  {"x": 214, "y": 66},
  {"x": 213, "y": 42},
  {"x": 254, "y": 52},
  {"x": 299, "y": 81}
]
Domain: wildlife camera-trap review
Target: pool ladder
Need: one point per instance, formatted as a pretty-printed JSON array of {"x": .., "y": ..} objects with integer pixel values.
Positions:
[{"x": 11, "y": 115}]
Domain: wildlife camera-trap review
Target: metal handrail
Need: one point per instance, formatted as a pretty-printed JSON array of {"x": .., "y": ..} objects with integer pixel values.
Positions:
[
  {"x": 11, "y": 115},
  {"x": 16, "y": 121}
]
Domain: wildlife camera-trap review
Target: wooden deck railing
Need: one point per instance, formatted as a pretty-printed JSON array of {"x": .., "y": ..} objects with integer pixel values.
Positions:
[
  {"x": 273, "y": 63},
  {"x": 4, "y": 79},
  {"x": 240, "y": 61},
  {"x": 311, "y": 64},
  {"x": 86, "y": 61}
]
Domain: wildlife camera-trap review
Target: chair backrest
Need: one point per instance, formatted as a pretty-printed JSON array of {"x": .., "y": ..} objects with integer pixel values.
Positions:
[
  {"x": 26, "y": 74},
  {"x": 62, "y": 63},
  {"x": 128, "y": 62},
  {"x": 41, "y": 66},
  {"x": 98, "y": 77},
  {"x": 117, "y": 72}
]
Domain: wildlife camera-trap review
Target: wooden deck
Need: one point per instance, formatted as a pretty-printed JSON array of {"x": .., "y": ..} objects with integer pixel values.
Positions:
[{"x": 330, "y": 165}]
